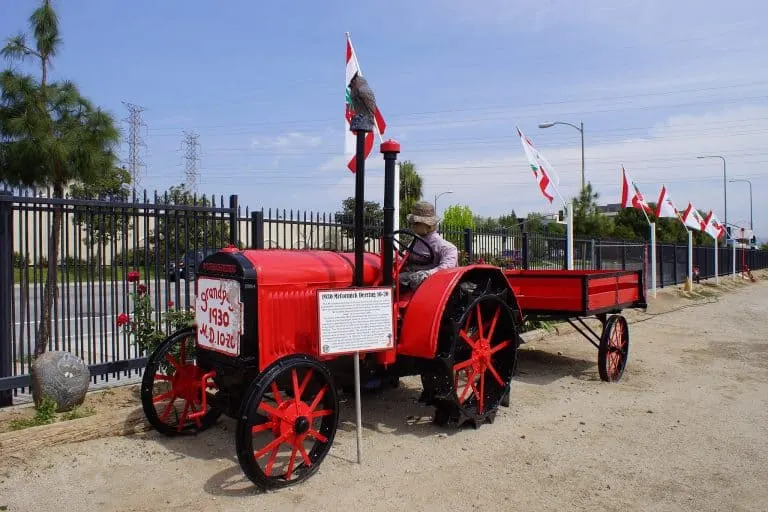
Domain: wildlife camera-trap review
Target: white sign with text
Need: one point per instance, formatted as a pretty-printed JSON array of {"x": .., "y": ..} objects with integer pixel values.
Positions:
[
  {"x": 219, "y": 315},
  {"x": 355, "y": 320}
]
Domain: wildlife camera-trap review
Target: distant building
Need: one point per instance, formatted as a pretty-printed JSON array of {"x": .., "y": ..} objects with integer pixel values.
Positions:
[{"x": 610, "y": 210}]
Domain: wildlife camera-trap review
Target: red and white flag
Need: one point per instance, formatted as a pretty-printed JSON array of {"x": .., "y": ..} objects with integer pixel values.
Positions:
[
  {"x": 713, "y": 227},
  {"x": 630, "y": 194},
  {"x": 692, "y": 218},
  {"x": 350, "y": 139},
  {"x": 542, "y": 170},
  {"x": 664, "y": 206}
]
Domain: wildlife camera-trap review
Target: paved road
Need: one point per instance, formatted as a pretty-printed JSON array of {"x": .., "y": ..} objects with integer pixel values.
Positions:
[{"x": 86, "y": 314}]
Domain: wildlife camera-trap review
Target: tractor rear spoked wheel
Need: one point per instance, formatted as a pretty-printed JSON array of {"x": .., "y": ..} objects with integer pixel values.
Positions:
[
  {"x": 614, "y": 349},
  {"x": 174, "y": 388},
  {"x": 287, "y": 422},
  {"x": 480, "y": 364}
]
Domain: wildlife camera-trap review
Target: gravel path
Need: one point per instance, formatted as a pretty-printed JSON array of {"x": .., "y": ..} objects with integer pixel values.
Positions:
[{"x": 685, "y": 429}]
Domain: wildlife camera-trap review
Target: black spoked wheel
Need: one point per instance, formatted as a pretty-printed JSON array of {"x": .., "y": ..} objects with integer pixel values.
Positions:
[
  {"x": 287, "y": 422},
  {"x": 614, "y": 349},
  {"x": 174, "y": 390},
  {"x": 472, "y": 375}
]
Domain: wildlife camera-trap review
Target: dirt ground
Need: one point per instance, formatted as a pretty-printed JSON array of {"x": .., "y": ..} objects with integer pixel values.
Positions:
[{"x": 685, "y": 429}]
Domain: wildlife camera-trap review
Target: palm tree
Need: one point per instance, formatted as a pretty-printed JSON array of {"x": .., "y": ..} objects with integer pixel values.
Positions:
[
  {"x": 410, "y": 189},
  {"x": 50, "y": 136}
]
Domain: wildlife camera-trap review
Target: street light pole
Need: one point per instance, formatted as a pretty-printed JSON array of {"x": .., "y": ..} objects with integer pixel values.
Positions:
[
  {"x": 725, "y": 191},
  {"x": 751, "y": 226},
  {"x": 441, "y": 194},
  {"x": 580, "y": 128}
]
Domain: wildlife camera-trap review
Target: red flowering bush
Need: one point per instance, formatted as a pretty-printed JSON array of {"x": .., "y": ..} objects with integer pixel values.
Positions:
[{"x": 141, "y": 323}]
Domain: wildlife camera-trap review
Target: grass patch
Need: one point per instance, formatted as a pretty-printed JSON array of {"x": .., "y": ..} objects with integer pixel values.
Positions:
[{"x": 45, "y": 414}]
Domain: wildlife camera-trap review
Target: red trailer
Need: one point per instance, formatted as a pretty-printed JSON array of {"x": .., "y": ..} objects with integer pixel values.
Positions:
[{"x": 255, "y": 355}]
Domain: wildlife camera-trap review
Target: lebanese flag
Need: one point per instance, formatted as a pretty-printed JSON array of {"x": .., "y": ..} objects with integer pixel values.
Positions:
[
  {"x": 539, "y": 165},
  {"x": 350, "y": 139},
  {"x": 713, "y": 227},
  {"x": 692, "y": 219},
  {"x": 635, "y": 200},
  {"x": 664, "y": 206}
]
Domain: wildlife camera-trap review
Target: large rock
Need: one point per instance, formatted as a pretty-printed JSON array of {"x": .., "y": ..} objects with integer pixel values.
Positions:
[{"x": 61, "y": 376}]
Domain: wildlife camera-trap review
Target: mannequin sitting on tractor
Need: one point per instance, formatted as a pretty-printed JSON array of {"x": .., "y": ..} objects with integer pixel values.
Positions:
[{"x": 423, "y": 221}]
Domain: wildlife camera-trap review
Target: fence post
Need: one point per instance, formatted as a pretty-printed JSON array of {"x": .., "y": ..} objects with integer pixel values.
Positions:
[
  {"x": 257, "y": 230},
  {"x": 624, "y": 255},
  {"x": 234, "y": 232},
  {"x": 6, "y": 295},
  {"x": 592, "y": 254},
  {"x": 524, "y": 249},
  {"x": 468, "y": 244}
]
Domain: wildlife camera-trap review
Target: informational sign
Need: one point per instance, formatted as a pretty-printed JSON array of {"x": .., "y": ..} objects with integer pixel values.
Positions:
[
  {"x": 355, "y": 320},
  {"x": 219, "y": 315}
]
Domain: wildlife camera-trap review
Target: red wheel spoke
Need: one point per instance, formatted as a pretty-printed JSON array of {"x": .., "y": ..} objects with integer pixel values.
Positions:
[
  {"x": 467, "y": 339},
  {"x": 174, "y": 362},
  {"x": 271, "y": 460},
  {"x": 495, "y": 374},
  {"x": 468, "y": 385},
  {"x": 274, "y": 445},
  {"x": 271, "y": 410},
  {"x": 317, "y": 435},
  {"x": 481, "y": 397},
  {"x": 163, "y": 377},
  {"x": 500, "y": 346},
  {"x": 460, "y": 366},
  {"x": 163, "y": 396},
  {"x": 262, "y": 427},
  {"x": 479, "y": 321},
  {"x": 493, "y": 324},
  {"x": 305, "y": 382},
  {"x": 324, "y": 412},
  {"x": 296, "y": 392},
  {"x": 167, "y": 410},
  {"x": 304, "y": 455},
  {"x": 318, "y": 397},
  {"x": 184, "y": 416},
  {"x": 291, "y": 462},
  {"x": 276, "y": 394}
]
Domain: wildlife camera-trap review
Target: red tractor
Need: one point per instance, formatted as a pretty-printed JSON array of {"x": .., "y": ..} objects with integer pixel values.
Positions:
[{"x": 254, "y": 353}]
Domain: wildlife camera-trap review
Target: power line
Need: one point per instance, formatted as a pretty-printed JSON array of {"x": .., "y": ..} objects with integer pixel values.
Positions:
[
  {"x": 134, "y": 142},
  {"x": 192, "y": 156}
]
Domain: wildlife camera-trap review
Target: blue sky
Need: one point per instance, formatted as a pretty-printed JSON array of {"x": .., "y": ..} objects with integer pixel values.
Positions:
[{"x": 655, "y": 83}]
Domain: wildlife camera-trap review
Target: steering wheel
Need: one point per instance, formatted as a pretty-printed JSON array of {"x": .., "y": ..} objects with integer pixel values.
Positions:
[{"x": 406, "y": 250}]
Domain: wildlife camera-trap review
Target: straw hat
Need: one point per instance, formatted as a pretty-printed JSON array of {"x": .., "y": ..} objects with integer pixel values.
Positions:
[{"x": 423, "y": 212}]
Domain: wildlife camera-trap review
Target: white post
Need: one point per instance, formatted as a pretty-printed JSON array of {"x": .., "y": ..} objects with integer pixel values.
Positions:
[
  {"x": 653, "y": 259},
  {"x": 717, "y": 270},
  {"x": 733, "y": 261},
  {"x": 569, "y": 235},
  {"x": 690, "y": 256}
]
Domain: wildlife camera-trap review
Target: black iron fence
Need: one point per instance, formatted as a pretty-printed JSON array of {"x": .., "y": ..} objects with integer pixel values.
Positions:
[{"x": 101, "y": 244}]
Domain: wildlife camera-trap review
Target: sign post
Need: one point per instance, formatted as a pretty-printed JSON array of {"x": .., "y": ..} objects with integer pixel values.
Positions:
[{"x": 353, "y": 321}]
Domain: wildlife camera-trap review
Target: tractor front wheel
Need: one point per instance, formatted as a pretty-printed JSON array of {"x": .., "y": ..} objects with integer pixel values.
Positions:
[
  {"x": 287, "y": 422},
  {"x": 174, "y": 389}
]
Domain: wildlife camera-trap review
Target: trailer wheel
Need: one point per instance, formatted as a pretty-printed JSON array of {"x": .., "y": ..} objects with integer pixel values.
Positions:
[
  {"x": 174, "y": 388},
  {"x": 614, "y": 349},
  {"x": 287, "y": 422},
  {"x": 472, "y": 375}
]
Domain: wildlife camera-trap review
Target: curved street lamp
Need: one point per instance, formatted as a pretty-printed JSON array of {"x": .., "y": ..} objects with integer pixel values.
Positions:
[
  {"x": 441, "y": 194},
  {"x": 581, "y": 130},
  {"x": 725, "y": 193}
]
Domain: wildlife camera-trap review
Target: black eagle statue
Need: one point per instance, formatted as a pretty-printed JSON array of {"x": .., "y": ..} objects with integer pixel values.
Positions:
[{"x": 363, "y": 103}]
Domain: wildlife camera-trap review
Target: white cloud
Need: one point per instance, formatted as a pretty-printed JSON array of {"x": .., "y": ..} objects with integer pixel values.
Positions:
[
  {"x": 502, "y": 181},
  {"x": 289, "y": 142}
]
